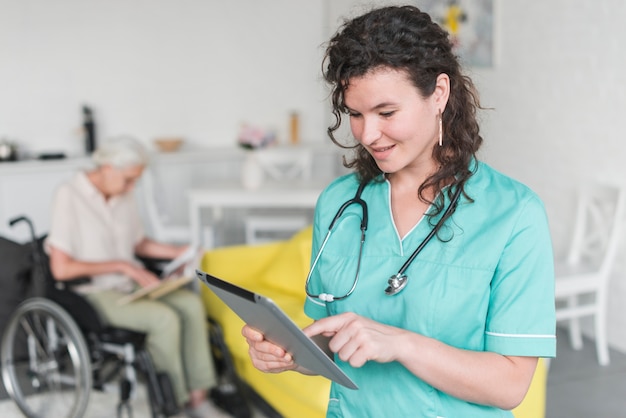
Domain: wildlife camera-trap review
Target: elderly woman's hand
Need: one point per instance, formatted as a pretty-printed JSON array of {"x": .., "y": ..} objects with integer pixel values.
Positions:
[{"x": 139, "y": 274}]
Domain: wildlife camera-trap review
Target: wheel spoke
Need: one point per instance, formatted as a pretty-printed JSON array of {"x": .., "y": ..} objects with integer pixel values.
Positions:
[{"x": 46, "y": 362}]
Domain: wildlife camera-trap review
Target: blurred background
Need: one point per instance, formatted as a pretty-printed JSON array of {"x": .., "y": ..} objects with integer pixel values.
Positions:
[{"x": 554, "y": 90}]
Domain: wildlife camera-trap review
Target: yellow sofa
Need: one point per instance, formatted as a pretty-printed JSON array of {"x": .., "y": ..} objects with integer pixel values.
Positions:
[{"x": 279, "y": 270}]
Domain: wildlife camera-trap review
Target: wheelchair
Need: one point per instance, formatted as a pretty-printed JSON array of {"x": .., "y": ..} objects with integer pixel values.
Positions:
[{"x": 55, "y": 350}]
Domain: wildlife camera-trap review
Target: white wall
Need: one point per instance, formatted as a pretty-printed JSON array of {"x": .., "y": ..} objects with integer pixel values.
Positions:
[
  {"x": 559, "y": 94},
  {"x": 190, "y": 68},
  {"x": 198, "y": 68}
]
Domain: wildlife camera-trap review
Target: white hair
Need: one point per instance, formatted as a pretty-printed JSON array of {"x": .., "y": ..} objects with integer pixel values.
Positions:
[{"x": 121, "y": 152}]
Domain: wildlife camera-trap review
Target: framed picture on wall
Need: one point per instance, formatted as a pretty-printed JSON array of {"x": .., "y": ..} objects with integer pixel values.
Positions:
[{"x": 471, "y": 27}]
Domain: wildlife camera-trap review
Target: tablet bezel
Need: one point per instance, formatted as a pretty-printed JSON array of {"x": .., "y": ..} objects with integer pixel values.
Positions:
[{"x": 264, "y": 314}]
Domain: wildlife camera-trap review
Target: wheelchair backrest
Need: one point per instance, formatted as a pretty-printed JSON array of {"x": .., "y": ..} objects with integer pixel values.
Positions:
[
  {"x": 25, "y": 273},
  {"x": 15, "y": 271}
]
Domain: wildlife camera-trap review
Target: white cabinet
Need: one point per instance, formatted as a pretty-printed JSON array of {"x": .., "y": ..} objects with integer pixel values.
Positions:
[{"x": 27, "y": 188}]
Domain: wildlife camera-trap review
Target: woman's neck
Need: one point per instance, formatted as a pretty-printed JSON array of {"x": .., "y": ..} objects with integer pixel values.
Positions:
[{"x": 409, "y": 181}]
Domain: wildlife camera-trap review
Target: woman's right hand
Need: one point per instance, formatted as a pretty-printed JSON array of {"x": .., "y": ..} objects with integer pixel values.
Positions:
[
  {"x": 139, "y": 274},
  {"x": 267, "y": 356}
]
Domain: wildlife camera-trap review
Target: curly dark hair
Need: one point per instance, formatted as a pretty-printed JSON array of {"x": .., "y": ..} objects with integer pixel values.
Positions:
[{"x": 406, "y": 39}]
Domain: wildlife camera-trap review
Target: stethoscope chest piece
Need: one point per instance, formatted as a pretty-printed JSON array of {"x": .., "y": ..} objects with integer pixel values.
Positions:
[{"x": 397, "y": 282}]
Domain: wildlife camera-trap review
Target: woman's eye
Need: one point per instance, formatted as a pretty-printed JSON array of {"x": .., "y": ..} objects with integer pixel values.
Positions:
[
  {"x": 387, "y": 114},
  {"x": 354, "y": 114}
]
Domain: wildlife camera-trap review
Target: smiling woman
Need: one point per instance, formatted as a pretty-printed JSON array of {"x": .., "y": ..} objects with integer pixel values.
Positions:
[{"x": 464, "y": 334}]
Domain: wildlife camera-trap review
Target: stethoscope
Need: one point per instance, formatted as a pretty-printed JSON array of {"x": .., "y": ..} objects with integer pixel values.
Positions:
[{"x": 398, "y": 281}]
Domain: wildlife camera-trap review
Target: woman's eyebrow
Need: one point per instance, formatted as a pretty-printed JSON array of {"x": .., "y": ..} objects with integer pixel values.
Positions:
[
  {"x": 377, "y": 107},
  {"x": 383, "y": 105}
]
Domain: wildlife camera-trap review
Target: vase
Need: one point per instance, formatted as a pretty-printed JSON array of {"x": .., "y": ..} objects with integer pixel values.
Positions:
[{"x": 252, "y": 174}]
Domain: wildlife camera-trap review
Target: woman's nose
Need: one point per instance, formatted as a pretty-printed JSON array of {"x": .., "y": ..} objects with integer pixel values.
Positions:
[{"x": 370, "y": 131}]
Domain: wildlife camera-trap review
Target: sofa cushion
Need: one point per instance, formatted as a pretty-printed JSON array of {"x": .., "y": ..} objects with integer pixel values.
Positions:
[{"x": 286, "y": 272}]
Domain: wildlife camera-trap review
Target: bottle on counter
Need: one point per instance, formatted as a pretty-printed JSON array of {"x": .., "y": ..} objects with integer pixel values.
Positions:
[
  {"x": 89, "y": 127},
  {"x": 294, "y": 128}
]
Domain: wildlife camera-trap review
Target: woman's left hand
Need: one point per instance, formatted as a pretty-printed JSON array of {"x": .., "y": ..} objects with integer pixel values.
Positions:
[{"x": 356, "y": 339}]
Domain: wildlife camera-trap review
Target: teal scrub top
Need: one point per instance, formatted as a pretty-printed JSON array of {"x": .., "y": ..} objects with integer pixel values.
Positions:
[{"x": 486, "y": 284}]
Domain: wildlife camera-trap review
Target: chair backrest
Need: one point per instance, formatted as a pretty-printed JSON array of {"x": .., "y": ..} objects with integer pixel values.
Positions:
[
  {"x": 155, "y": 218},
  {"x": 161, "y": 229},
  {"x": 599, "y": 225},
  {"x": 287, "y": 163},
  {"x": 281, "y": 163},
  {"x": 16, "y": 266},
  {"x": 263, "y": 229}
]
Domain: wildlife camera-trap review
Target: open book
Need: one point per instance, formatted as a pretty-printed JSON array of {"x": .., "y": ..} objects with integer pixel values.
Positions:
[
  {"x": 171, "y": 281},
  {"x": 157, "y": 290}
]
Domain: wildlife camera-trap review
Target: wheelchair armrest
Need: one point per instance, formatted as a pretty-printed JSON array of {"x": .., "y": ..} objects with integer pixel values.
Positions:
[
  {"x": 155, "y": 265},
  {"x": 69, "y": 284}
]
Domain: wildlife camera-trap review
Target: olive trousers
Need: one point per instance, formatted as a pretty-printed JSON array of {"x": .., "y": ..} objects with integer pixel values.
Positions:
[{"x": 177, "y": 335}]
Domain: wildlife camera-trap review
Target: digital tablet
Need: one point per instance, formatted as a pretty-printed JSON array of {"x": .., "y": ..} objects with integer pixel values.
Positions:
[{"x": 264, "y": 315}]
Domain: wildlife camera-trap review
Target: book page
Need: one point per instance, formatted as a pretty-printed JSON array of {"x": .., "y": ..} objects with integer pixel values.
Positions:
[
  {"x": 169, "y": 285},
  {"x": 157, "y": 290},
  {"x": 189, "y": 255}
]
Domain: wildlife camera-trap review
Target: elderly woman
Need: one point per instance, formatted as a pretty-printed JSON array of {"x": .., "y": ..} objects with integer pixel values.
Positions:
[{"x": 96, "y": 231}]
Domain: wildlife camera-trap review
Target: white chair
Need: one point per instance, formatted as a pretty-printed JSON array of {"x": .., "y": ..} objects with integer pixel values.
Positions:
[
  {"x": 286, "y": 163},
  {"x": 262, "y": 229},
  {"x": 582, "y": 279},
  {"x": 280, "y": 164},
  {"x": 162, "y": 230}
]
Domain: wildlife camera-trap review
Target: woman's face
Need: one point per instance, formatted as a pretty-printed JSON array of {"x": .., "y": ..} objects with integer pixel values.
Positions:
[
  {"x": 119, "y": 181},
  {"x": 392, "y": 120}
]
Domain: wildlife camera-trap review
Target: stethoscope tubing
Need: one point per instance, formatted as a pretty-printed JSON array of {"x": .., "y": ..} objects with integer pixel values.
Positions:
[
  {"x": 432, "y": 232},
  {"x": 326, "y": 297},
  {"x": 364, "y": 221}
]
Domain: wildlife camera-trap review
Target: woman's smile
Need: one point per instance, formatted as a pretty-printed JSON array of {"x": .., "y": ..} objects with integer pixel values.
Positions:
[{"x": 381, "y": 153}]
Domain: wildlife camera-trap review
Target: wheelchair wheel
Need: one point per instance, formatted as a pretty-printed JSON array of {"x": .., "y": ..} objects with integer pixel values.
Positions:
[{"x": 46, "y": 365}]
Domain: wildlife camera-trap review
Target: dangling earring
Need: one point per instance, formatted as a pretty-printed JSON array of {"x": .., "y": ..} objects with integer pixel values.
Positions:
[{"x": 440, "y": 128}]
